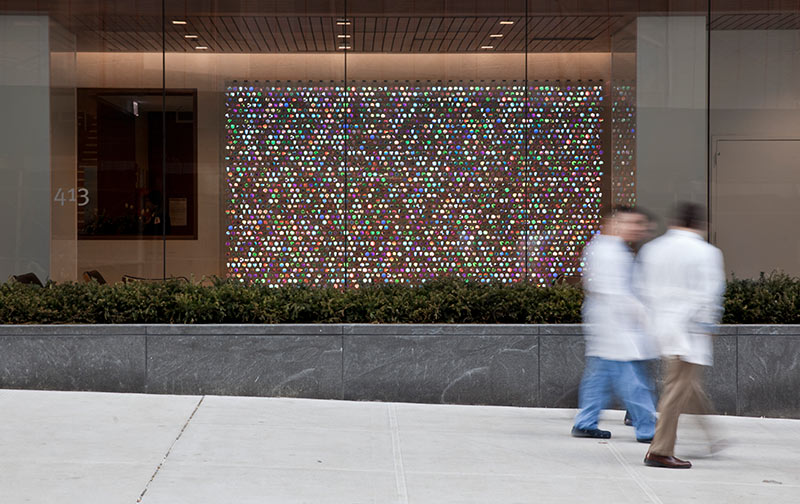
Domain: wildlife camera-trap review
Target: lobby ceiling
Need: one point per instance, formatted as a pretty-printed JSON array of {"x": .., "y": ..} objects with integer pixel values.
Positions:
[
  {"x": 402, "y": 34},
  {"x": 383, "y": 26}
]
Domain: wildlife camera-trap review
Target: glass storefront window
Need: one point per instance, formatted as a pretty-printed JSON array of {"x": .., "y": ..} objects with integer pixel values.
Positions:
[
  {"x": 754, "y": 133},
  {"x": 435, "y": 144},
  {"x": 350, "y": 143}
]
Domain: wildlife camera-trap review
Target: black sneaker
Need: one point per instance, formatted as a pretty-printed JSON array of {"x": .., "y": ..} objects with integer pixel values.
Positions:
[
  {"x": 628, "y": 420},
  {"x": 591, "y": 433}
]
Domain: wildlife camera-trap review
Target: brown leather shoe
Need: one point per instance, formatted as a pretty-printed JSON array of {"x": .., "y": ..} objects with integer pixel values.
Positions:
[{"x": 670, "y": 462}]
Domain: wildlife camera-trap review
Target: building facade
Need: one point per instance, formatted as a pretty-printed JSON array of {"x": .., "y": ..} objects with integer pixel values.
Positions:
[{"x": 345, "y": 142}]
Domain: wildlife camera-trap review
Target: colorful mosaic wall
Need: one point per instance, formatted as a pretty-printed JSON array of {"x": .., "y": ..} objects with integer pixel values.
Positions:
[
  {"x": 285, "y": 184},
  {"x": 566, "y": 165},
  {"x": 623, "y": 144},
  {"x": 435, "y": 182},
  {"x": 431, "y": 180}
]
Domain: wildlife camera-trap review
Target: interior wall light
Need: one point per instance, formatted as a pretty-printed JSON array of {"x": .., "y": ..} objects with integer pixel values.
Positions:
[
  {"x": 344, "y": 47},
  {"x": 506, "y": 22},
  {"x": 201, "y": 48},
  {"x": 496, "y": 35},
  {"x": 343, "y": 36},
  {"x": 178, "y": 22},
  {"x": 343, "y": 22},
  {"x": 487, "y": 47},
  {"x": 190, "y": 36}
]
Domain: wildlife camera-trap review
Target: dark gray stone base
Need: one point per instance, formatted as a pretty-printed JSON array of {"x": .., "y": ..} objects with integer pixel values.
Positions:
[
  {"x": 721, "y": 378},
  {"x": 756, "y": 370},
  {"x": 769, "y": 371},
  {"x": 561, "y": 365},
  {"x": 279, "y": 366},
  {"x": 73, "y": 358},
  {"x": 461, "y": 365}
]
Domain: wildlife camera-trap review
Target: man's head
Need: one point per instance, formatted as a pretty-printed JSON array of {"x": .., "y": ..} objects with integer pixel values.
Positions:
[
  {"x": 627, "y": 223},
  {"x": 689, "y": 216}
]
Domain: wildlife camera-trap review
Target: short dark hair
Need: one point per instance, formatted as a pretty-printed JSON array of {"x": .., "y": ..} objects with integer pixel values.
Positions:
[
  {"x": 650, "y": 216},
  {"x": 689, "y": 215},
  {"x": 621, "y": 210}
]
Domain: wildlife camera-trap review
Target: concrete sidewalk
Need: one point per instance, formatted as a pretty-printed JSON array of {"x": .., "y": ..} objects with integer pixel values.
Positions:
[{"x": 87, "y": 448}]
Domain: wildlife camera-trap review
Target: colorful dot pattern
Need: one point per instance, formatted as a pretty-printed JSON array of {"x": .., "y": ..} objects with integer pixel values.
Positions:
[
  {"x": 623, "y": 144},
  {"x": 566, "y": 166},
  {"x": 436, "y": 182},
  {"x": 403, "y": 182},
  {"x": 284, "y": 167}
]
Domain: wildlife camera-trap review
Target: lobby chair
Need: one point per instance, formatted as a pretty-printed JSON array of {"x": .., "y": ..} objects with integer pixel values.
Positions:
[
  {"x": 131, "y": 279},
  {"x": 95, "y": 275},
  {"x": 28, "y": 279}
]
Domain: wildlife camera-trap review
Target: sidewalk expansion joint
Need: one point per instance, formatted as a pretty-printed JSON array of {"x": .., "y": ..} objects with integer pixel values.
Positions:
[
  {"x": 635, "y": 476},
  {"x": 171, "y": 446},
  {"x": 399, "y": 470}
]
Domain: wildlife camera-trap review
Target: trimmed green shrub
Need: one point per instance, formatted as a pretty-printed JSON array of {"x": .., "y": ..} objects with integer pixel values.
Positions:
[
  {"x": 768, "y": 300},
  {"x": 772, "y": 299}
]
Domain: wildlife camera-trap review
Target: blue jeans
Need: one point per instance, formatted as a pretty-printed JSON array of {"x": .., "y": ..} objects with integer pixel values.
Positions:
[{"x": 627, "y": 380}]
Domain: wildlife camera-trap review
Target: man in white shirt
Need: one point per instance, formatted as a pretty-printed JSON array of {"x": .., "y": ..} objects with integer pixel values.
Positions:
[
  {"x": 615, "y": 339},
  {"x": 682, "y": 281}
]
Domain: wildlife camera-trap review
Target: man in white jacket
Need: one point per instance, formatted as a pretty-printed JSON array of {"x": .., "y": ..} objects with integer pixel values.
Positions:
[
  {"x": 682, "y": 281},
  {"x": 616, "y": 343}
]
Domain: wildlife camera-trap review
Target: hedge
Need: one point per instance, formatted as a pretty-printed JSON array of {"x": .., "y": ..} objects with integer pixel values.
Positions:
[{"x": 774, "y": 299}]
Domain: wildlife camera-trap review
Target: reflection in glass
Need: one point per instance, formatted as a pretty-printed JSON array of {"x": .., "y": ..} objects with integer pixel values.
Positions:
[{"x": 120, "y": 163}]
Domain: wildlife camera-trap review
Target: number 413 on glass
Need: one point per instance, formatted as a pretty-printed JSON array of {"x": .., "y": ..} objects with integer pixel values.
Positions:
[{"x": 63, "y": 196}]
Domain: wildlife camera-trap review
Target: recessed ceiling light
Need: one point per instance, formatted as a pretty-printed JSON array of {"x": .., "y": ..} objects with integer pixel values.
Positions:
[
  {"x": 343, "y": 22},
  {"x": 344, "y": 47},
  {"x": 495, "y": 35},
  {"x": 178, "y": 22},
  {"x": 343, "y": 36},
  {"x": 201, "y": 48},
  {"x": 506, "y": 22},
  {"x": 487, "y": 47},
  {"x": 190, "y": 36}
]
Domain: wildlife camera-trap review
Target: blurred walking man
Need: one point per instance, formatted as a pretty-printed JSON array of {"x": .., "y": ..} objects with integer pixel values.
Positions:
[
  {"x": 615, "y": 341},
  {"x": 683, "y": 281}
]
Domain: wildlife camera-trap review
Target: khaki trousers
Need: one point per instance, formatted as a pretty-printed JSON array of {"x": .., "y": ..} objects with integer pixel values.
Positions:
[{"x": 683, "y": 393}]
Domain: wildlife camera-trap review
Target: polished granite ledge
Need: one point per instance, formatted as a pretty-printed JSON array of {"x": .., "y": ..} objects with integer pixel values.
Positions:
[
  {"x": 371, "y": 329},
  {"x": 72, "y": 329},
  {"x": 441, "y": 329},
  {"x": 756, "y": 370},
  {"x": 245, "y": 329}
]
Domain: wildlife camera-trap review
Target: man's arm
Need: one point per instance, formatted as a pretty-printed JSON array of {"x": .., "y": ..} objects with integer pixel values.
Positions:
[{"x": 710, "y": 283}]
